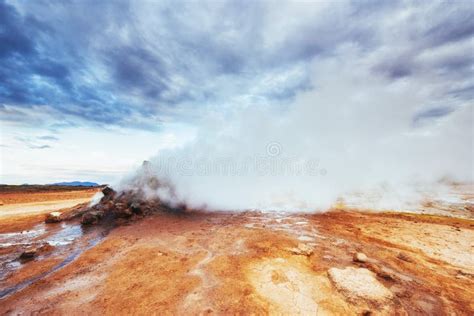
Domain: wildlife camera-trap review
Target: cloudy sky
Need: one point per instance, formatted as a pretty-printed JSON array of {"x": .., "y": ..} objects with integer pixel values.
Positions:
[{"x": 89, "y": 89}]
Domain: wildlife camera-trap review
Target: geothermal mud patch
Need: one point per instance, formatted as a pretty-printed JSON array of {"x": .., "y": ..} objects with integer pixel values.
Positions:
[{"x": 160, "y": 259}]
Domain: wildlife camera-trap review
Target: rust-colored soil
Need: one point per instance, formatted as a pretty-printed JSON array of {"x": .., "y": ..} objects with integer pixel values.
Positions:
[
  {"x": 39, "y": 195},
  {"x": 19, "y": 210},
  {"x": 261, "y": 263}
]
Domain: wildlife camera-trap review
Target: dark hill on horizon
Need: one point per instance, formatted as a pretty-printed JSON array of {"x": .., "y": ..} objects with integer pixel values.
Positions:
[{"x": 77, "y": 184}]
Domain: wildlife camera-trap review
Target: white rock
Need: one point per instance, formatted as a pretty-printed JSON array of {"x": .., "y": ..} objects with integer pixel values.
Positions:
[
  {"x": 360, "y": 257},
  {"x": 302, "y": 249},
  {"x": 359, "y": 283},
  {"x": 53, "y": 217}
]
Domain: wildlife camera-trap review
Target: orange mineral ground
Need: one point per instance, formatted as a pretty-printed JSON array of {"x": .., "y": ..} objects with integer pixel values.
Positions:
[{"x": 340, "y": 262}]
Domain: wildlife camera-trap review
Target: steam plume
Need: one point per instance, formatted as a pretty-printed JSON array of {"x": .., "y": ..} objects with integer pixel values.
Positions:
[{"x": 354, "y": 131}]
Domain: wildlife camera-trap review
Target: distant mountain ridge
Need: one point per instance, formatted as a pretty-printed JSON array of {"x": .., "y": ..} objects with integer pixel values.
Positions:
[{"x": 77, "y": 184}]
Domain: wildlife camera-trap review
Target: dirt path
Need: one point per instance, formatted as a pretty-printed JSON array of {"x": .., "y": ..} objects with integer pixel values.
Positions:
[
  {"x": 26, "y": 209},
  {"x": 42, "y": 193},
  {"x": 23, "y": 210},
  {"x": 266, "y": 263}
]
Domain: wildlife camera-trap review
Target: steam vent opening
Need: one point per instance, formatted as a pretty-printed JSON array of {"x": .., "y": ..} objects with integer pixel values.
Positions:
[{"x": 302, "y": 158}]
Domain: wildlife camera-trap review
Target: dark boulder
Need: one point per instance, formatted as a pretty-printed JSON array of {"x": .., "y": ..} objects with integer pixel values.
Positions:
[
  {"x": 92, "y": 218},
  {"x": 135, "y": 207},
  {"x": 108, "y": 191},
  {"x": 123, "y": 212},
  {"x": 109, "y": 195},
  {"x": 28, "y": 253}
]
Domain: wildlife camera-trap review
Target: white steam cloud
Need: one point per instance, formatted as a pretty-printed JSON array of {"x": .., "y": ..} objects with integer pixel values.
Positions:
[{"x": 354, "y": 131}]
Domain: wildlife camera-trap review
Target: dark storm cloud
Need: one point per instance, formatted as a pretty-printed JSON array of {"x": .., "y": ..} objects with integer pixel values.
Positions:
[
  {"x": 55, "y": 71},
  {"x": 13, "y": 36},
  {"x": 138, "y": 70},
  {"x": 21, "y": 58},
  {"x": 33, "y": 72},
  {"x": 135, "y": 64}
]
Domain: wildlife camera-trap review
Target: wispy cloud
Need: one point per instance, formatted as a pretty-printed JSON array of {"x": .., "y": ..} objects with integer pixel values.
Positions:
[
  {"x": 39, "y": 146},
  {"x": 48, "y": 138},
  {"x": 432, "y": 113},
  {"x": 33, "y": 142}
]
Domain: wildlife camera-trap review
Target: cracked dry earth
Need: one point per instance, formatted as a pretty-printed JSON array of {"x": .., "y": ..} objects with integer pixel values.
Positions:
[{"x": 264, "y": 263}]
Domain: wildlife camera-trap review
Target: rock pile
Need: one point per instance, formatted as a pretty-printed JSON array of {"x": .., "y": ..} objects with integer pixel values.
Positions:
[{"x": 122, "y": 207}]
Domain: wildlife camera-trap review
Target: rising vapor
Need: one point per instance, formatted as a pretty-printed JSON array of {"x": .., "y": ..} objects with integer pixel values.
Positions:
[{"x": 352, "y": 132}]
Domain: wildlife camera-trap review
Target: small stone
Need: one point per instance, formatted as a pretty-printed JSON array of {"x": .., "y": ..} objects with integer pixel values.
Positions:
[
  {"x": 123, "y": 212},
  {"x": 386, "y": 273},
  {"x": 135, "y": 207},
  {"x": 404, "y": 257},
  {"x": 92, "y": 218},
  {"x": 120, "y": 206},
  {"x": 29, "y": 253},
  {"x": 359, "y": 257},
  {"x": 302, "y": 249},
  {"x": 45, "y": 247},
  {"x": 53, "y": 217},
  {"x": 465, "y": 273}
]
